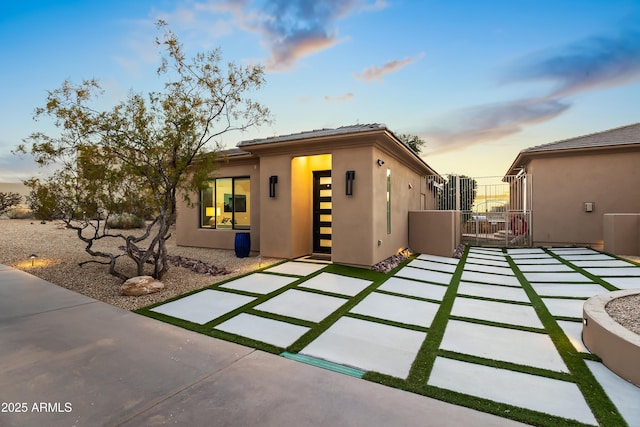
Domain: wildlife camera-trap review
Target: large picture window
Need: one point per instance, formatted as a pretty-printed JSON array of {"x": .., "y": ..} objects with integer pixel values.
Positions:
[{"x": 226, "y": 204}]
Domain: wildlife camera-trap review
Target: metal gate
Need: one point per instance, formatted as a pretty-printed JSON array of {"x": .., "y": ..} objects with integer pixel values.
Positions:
[{"x": 495, "y": 211}]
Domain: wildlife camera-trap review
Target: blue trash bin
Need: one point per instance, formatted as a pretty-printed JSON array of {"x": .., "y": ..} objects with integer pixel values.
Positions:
[{"x": 243, "y": 244}]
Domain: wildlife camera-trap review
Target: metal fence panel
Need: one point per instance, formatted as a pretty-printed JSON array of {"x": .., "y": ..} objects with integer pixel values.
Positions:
[{"x": 496, "y": 211}]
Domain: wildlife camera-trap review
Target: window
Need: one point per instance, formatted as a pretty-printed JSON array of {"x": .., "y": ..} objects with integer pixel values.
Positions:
[
  {"x": 226, "y": 204},
  {"x": 388, "y": 201}
]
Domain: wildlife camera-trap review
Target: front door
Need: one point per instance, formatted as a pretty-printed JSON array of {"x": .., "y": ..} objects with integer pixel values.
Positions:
[{"x": 322, "y": 212}]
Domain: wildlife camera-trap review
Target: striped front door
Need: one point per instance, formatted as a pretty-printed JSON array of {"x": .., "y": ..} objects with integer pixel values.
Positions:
[{"x": 322, "y": 212}]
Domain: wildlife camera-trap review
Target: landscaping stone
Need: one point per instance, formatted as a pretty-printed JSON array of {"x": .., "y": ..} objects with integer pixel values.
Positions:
[{"x": 141, "y": 285}]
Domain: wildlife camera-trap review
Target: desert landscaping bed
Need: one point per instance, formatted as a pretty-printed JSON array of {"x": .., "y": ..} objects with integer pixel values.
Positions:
[{"x": 59, "y": 251}]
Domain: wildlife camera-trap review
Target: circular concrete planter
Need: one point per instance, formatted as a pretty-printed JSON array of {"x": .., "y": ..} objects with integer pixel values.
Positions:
[{"x": 618, "y": 347}]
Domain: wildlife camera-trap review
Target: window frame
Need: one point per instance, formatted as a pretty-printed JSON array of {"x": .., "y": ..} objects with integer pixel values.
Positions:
[{"x": 214, "y": 190}]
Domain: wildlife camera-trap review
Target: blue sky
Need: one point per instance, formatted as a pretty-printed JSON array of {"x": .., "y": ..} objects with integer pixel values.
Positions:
[{"x": 478, "y": 80}]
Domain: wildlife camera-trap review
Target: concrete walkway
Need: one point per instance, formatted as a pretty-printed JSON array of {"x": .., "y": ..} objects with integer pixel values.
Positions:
[{"x": 68, "y": 360}]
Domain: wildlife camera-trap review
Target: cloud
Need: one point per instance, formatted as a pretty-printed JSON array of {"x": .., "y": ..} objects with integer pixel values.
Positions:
[
  {"x": 595, "y": 62},
  {"x": 490, "y": 122},
  {"x": 342, "y": 98},
  {"x": 374, "y": 73}
]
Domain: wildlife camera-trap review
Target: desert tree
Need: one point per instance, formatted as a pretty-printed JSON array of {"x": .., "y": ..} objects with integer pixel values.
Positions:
[
  {"x": 9, "y": 200},
  {"x": 413, "y": 141},
  {"x": 143, "y": 153}
]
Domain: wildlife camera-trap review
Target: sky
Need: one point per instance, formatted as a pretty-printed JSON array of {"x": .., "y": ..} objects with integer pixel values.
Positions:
[{"x": 478, "y": 80}]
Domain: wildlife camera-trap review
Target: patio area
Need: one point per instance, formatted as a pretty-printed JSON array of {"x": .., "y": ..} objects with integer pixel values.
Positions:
[{"x": 499, "y": 329}]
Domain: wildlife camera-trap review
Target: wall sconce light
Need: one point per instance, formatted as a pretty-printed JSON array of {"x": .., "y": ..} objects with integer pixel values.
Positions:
[
  {"x": 380, "y": 162},
  {"x": 351, "y": 175},
  {"x": 33, "y": 258},
  {"x": 273, "y": 180}
]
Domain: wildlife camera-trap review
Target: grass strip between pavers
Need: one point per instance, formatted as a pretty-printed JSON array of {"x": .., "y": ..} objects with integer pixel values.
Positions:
[{"x": 603, "y": 409}]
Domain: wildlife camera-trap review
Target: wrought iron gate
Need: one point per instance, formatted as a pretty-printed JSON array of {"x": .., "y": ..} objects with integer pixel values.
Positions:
[{"x": 496, "y": 211}]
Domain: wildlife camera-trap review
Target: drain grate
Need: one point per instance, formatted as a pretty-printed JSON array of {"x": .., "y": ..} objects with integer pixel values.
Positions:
[{"x": 324, "y": 364}]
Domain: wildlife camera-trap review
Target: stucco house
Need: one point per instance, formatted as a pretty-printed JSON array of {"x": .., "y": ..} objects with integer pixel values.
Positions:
[
  {"x": 343, "y": 194},
  {"x": 577, "y": 185}
]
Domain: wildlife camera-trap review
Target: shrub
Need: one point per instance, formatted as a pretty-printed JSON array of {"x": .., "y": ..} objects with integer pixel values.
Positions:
[
  {"x": 126, "y": 222},
  {"x": 19, "y": 213}
]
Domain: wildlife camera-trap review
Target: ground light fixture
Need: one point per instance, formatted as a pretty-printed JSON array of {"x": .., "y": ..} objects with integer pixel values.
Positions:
[
  {"x": 351, "y": 176},
  {"x": 33, "y": 258}
]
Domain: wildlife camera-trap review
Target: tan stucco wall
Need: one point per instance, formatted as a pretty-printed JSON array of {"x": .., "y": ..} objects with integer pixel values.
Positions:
[
  {"x": 434, "y": 232},
  {"x": 561, "y": 184},
  {"x": 622, "y": 234},
  {"x": 188, "y": 232},
  {"x": 353, "y": 215},
  {"x": 403, "y": 200},
  {"x": 276, "y": 212}
]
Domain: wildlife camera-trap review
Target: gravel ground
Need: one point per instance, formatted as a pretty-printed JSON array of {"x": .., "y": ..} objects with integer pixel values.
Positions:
[
  {"x": 626, "y": 311},
  {"x": 59, "y": 251}
]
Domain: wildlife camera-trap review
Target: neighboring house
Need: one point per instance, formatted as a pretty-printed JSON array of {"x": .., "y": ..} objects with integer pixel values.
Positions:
[
  {"x": 345, "y": 193},
  {"x": 574, "y": 182}
]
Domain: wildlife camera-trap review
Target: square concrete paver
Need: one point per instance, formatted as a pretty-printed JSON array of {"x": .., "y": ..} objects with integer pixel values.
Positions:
[
  {"x": 414, "y": 288},
  {"x": 337, "y": 284},
  {"x": 302, "y": 305},
  {"x": 524, "y": 251},
  {"x": 560, "y": 277},
  {"x": 487, "y": 256},
  {"x": 514, "y": 388},
  {"x": 548, "y": 268},
  {"x": 508, "y": 345},
  {"x": 259, "y": 283},
  {"x": 296, "y": 268},
  {"x": 573, "y": 331},
  {"x": 624, "y": 282},
  {"x": 203, "y": 306},
  {"x": 397, "y": 309},
  {"x": 432, "y": 265},
  {"x": 496, "y": 262},
  {"x": 564, "y": 307},
  {"x": 425, "y": 275},
  {"x": 483, "y": 268},
  {"x": 490, "y": 278},
  {"x": 573, "y": 251},
  {"x": 602, "y": 263},
  {"x": 493, "y": 311},
  {"x": 369, "y": 346},
  {"x": 614, "y": 271},
  {"x": 541, "y": 260},
  {"x": 576, "y": 290},
  {"x": 281, "y": 334},
  {"x": 437, "y": 258},
  {"x": 622, "y": 393},
  {"x": 506, "y": 293},
  {"x": 595, "y": 257}
]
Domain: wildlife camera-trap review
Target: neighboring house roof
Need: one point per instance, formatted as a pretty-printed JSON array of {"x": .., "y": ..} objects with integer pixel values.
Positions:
[
  {"x": 623, "y": 136},
  {"x": 331, "y": 132}
]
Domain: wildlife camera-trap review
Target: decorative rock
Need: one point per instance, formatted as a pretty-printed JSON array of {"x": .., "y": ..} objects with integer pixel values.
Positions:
[{"x": 141, "y": 285}]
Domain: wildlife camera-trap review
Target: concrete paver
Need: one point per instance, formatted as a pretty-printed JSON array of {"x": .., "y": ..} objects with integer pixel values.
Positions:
[
  {"x": 336, "y": 284},
  {"x": 515, "y": 388},
  {"x": 259, "y": 283},
  {"x": 494, "y": 311},
  {"x": 368, "y": 346},
  {"x": 302, "y": 305},
  {"x": 397, "y": 309},
  {"x": 508, "y": 345},
  {"x": 414, "y": 288},
  {"x": 270, "y": 331},
  {"x": 204, "y": 306}
]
